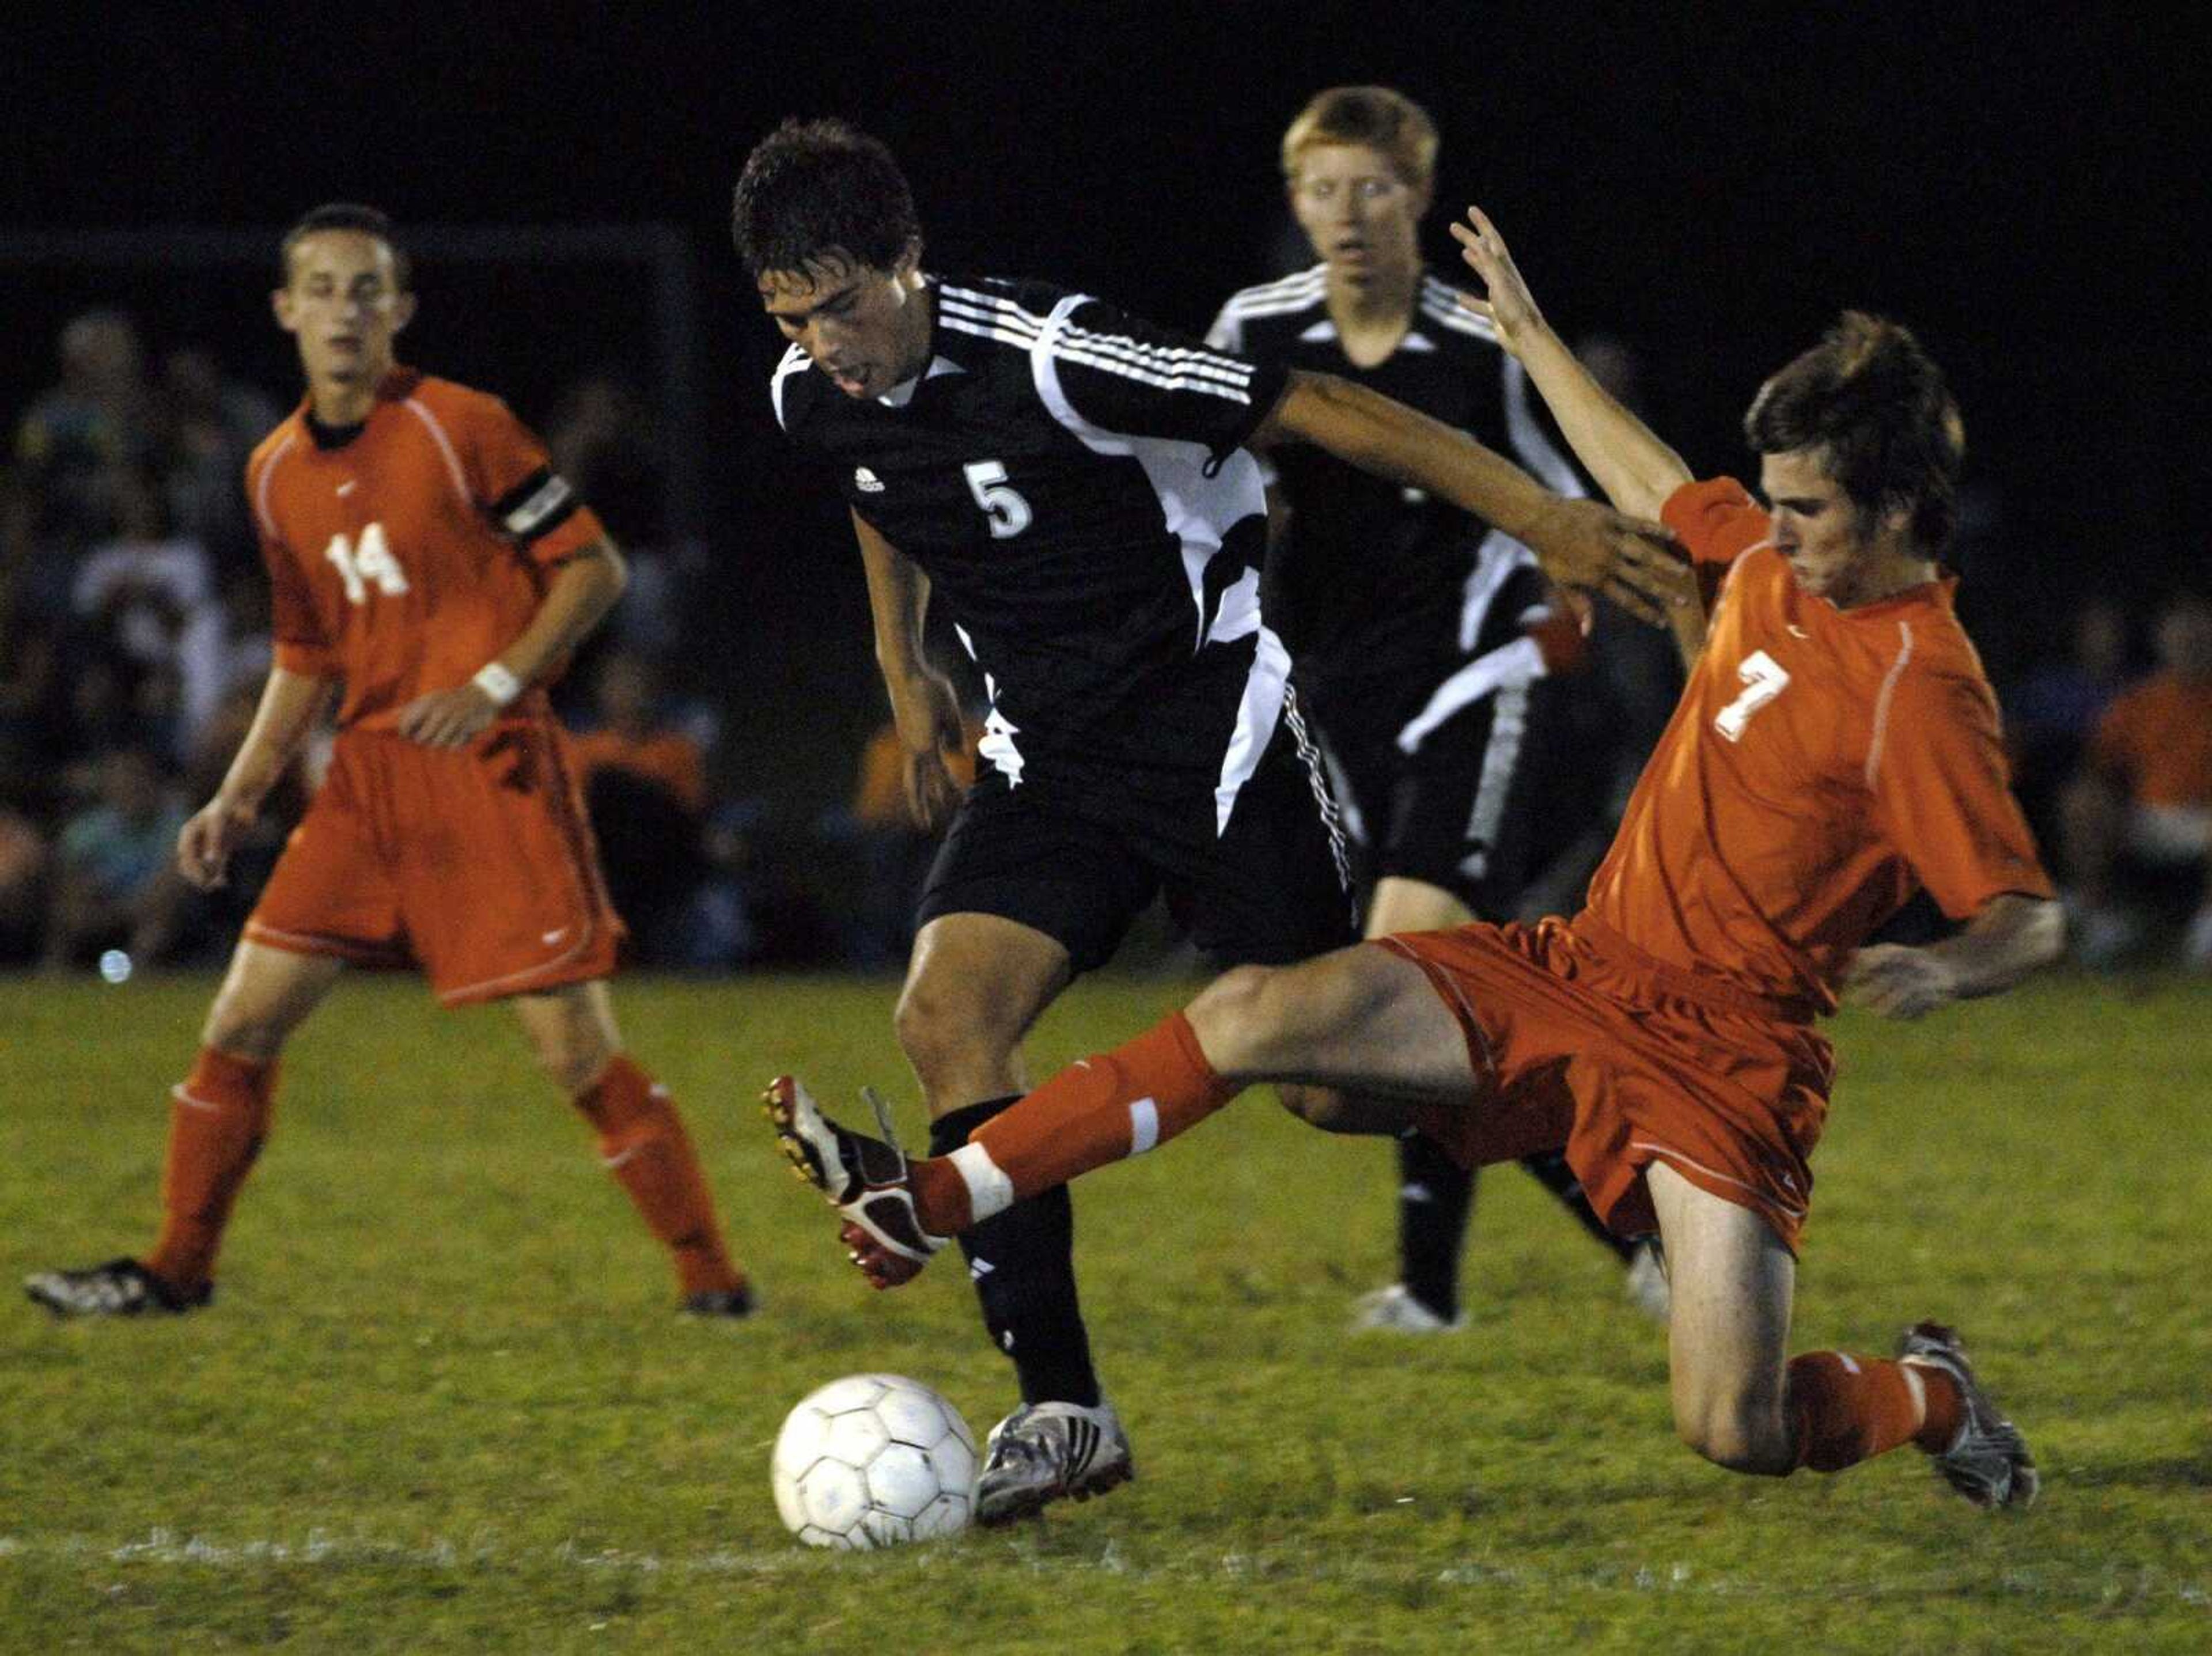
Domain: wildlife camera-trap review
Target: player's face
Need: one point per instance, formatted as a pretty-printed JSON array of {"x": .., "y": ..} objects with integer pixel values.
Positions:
[
  {"x": 868, "y": 330},
  {"x": 343, "y": 303},
  {"x": 1361, "y": 217},
  {"x": 1836, "y": 551}
]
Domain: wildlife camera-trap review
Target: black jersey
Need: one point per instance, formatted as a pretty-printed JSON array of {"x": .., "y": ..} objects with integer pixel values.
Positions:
[
  {"x": 1371, "y": 580},
  {"x": 1071, "y": 480}
]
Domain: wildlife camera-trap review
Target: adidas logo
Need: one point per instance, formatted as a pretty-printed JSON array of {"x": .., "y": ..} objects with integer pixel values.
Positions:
[{"x": 866, "y": 480}]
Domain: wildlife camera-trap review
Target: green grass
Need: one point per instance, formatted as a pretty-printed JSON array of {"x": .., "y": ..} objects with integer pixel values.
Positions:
[{"x": 442, "y": 1404}]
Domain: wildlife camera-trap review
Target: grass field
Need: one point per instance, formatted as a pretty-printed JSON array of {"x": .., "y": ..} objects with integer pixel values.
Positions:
[{"x": 442, "y": 1404}]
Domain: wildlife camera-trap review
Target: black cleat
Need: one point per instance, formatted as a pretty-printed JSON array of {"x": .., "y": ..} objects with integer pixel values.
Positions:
[
  {"x": 121, "y": 1288},
  {"x": 733, "y": 1303},
  {"x": 1988, "y": 1462}
]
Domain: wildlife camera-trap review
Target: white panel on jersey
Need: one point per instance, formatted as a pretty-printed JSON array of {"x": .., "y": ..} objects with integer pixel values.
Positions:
[
  {"x": 1516, "y": 663},
  {"x": 1416, "y": 341},
  {"x": 998, "y": 743},
  {"x": 795, "y": 360},
  {"x": 1501, "y": 756},
  {"x": 1495, "y": 561},
  {"x": 1199, "y": 512},
  {"x": 1320, "y": 334}
]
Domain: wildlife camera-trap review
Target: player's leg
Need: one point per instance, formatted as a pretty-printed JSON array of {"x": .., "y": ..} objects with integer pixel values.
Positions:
[
  {"x": 1740, "y": 1404},
  {"x": 1361, "y": 1021},
  {"x": 976, "y": 982},
  {"x": 1435, "y": 1195},
  {"x": 641, "y": 1138},
  {"x": 219, "y": 1118}
]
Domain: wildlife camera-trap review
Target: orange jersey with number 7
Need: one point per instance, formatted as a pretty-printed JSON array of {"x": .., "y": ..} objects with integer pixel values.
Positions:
[
  {"x": 407, "y": 552},
  {"x": 1822, "y": 765}
]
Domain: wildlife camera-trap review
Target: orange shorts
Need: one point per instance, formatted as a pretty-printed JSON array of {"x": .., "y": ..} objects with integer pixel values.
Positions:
[
  {"x": 478, "y": 864},
  {"x": 1581, "y": 1042}
]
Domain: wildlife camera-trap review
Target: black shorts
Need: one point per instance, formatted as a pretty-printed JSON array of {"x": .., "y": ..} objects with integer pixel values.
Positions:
[
  {"x": 1461, "y": 811},
  {"x": 1081, "y": 864}
]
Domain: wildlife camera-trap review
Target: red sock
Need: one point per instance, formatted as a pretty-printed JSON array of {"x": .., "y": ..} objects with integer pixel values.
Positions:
[
  {"x": 1099, "y": 1109},
  {"x": 218, "y": 1117},
  {"x": 643, "y": 1143},
  {"x": 1848, "y": 1409}
]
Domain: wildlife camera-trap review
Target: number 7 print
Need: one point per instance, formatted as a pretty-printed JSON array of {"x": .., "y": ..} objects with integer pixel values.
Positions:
[{"x": 1763, "y": 679}]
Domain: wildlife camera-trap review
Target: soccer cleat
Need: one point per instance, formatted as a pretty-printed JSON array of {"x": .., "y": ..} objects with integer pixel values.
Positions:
[
  {"x": 733, "y": 1302},
  {"x": 1987, "y": 1461},
  {"x": 121, "y": 1288},
  {"x": 1394, "y": 1310},
  {"x": 1048, "y": 1452},
  {"x": 1646, "y": 1280},
  {"x": 864, "y": 1179}
]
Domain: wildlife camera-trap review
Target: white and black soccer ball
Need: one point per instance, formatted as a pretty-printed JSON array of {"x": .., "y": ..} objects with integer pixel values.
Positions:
[{"x": 872, "y": 1460}]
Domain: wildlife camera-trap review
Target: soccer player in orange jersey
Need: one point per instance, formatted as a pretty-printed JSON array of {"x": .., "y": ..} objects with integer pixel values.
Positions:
[
  {"x": 431, "y": 571},
  {"x": 1835, "y": 748}
]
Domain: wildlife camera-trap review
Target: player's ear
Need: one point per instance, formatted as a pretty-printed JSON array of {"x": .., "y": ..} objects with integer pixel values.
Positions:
[
  {"x": 280, "y": 302},
  {"x": 403, "y": 311}
]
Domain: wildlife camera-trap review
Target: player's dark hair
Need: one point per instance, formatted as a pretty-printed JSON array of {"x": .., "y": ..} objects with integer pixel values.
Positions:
[
  {"x": 814, "y": 188},
  {"x": 1378, "y": 118},
  {"x": 1876, "y": 407},
  {"x": 348, "y": 215}
]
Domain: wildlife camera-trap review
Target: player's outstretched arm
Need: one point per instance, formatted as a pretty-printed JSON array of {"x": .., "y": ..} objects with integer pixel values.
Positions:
[
  {"x": 1637, "y": 471},
  {"x": 290, "y": 705},
  {"x": 1581, "y": 545},
  {"x": 923, "y": 705},
  {"x": 583, "y": 589},
  {"x": 2013, "y": 936}
]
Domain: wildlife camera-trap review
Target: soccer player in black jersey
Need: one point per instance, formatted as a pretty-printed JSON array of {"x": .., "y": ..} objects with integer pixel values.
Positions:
[
  {"x": 1423, "y": 641},
  {"x": 1074, "y": 483}
]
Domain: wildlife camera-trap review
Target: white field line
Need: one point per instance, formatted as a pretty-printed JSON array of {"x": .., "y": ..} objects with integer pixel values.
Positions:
[{"x": 2109, "y": 1587}]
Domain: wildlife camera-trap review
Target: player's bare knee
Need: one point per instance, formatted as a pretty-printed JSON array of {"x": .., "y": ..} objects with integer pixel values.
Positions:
[
  {"x": 570, "y": 1052},
  {"x": 1739, "y": 1438},
  {"x": 1235, "y": 1019},
  {"x": 246, "y": 1025},
  {"x": 949, "y": 1038}
]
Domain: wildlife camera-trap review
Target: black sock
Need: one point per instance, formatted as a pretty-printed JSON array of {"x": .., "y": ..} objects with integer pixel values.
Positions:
[
  {"x": 1549, "y": 1169},
  {"x": 1023, "y": 1264},
  {"x": 1435, "y": 1196}
]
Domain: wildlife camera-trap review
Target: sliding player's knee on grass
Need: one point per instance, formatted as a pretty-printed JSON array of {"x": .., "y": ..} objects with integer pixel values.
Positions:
[{"x": 1735, "y": 1420}]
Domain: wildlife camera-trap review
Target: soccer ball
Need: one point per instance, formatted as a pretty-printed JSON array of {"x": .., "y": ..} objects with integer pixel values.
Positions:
[{"x": 872, "y": 1460}]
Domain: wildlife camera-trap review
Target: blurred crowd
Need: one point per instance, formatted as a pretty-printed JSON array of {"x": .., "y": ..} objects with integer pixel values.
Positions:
[{"x": 133, "y": 643}]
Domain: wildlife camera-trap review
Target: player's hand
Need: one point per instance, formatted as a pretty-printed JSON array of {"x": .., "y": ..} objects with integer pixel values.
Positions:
[
  {"x": 208, "y": 838},
  {"x": 1900, "y": 982},
  {"x": 448, "y": 718},
  {"x": 1510, "y": 308},
  {"x": 1586, "y": 547},
  {"x": 931, "y": 795}
]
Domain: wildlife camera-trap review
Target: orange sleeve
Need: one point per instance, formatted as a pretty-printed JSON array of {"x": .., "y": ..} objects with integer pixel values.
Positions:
[
  {"x": 302, "y": 645},
  {"x": 513, "y": 479},
  {"x": 1716, "y": 522},
  {"x": 1943, "y": 799}
]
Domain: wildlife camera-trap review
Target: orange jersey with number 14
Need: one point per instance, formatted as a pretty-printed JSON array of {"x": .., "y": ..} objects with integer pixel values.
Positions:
[
  {"x": 1822, "y": 765},
  {"x": 407, "y": 552}
]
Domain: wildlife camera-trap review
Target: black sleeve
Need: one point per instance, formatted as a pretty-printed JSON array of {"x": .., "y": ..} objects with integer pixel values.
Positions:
[{"x": 1132, "y": 379}]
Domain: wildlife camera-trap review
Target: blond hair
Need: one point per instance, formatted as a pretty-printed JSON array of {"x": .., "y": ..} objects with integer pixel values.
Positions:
[{"x": 1377, "y": 116}]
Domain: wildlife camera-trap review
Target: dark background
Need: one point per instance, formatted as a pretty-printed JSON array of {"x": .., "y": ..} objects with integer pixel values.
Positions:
[{"x": 2025, "y": 186}]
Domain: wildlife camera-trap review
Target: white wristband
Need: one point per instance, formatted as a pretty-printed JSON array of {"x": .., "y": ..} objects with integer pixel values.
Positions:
[{"x": 495, "y": 682}]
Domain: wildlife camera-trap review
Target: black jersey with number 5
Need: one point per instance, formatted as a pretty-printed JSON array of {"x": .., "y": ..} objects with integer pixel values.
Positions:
[{"x": 1071, "y": 480}]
